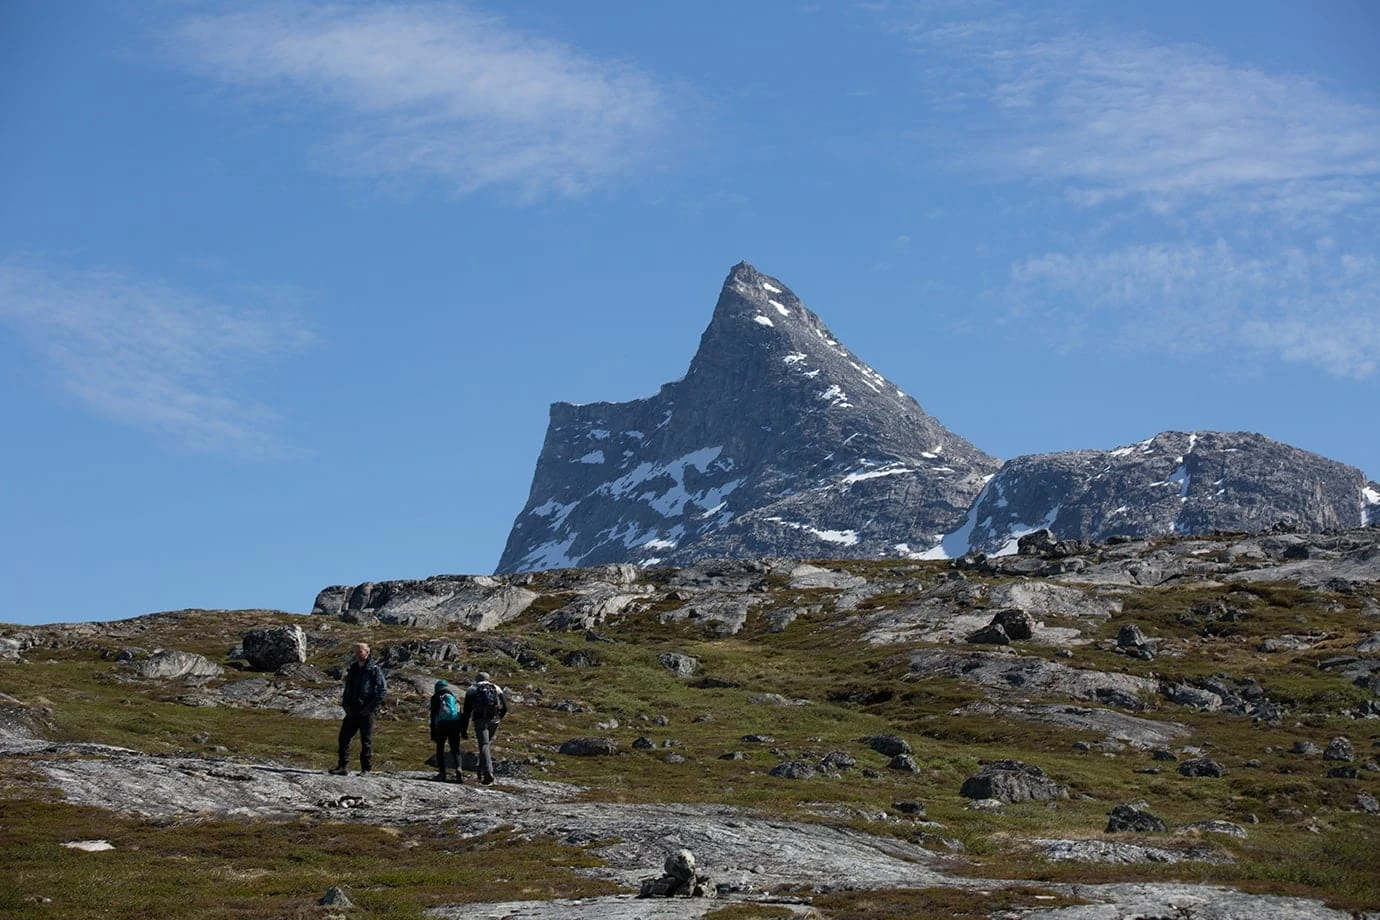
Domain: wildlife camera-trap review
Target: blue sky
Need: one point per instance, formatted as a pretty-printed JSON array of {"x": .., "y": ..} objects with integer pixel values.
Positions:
[{"x": 286, "y": 289}]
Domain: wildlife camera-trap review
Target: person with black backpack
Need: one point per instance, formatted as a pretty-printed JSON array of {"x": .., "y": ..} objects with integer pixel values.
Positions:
[
  {"x": 445, "y": 727},
  {"x": 486, "y": 704}
]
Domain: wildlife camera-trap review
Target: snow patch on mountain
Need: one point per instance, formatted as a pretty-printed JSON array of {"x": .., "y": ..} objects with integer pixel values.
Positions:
[{"x": 841, "y": 537}]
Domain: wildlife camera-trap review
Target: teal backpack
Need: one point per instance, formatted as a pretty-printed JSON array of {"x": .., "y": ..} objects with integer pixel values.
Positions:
[{"x": 448, "y": 710}]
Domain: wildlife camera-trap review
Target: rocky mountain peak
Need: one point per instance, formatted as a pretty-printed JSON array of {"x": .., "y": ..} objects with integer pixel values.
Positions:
[{"x": 778, "y": 440}]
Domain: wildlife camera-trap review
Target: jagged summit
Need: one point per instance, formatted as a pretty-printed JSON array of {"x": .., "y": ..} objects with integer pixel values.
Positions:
[{"x": 778, "y": 441}]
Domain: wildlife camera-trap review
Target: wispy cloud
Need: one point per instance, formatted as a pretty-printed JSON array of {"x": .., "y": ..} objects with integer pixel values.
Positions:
[
  {"x": 1119, "y": 115},
  {"x": 1313, "y": 306},
  {"x": 1211, "y": 207},
  {"x": 146, "y": 354},
  {"x": 440, "y": 92}
]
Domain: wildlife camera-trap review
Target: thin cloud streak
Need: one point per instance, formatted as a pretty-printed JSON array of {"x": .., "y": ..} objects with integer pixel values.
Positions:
[
  {"x": 145, "y": 354},
  {"x": 1118, "y": 115},
  {"x": 439, "y": 92},
  {"x": 1313, "y": 307}
]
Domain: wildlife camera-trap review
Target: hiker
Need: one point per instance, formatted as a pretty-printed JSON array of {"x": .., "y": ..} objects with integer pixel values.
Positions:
[
  {"x": 365, "y": 688},
  {"x": 445, "y": 727},
  {"x": 486, "y": 704}
]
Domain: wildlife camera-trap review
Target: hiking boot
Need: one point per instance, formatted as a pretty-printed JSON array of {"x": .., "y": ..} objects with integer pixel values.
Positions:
[
  {"x": 486, "y": 780},
  {"x": 338, "y": 771}
]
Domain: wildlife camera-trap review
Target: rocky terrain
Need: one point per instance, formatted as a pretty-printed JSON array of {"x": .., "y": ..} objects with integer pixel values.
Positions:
[
  {"x": 779, "y": 441},
  {"x": 1180, "y": 727}
]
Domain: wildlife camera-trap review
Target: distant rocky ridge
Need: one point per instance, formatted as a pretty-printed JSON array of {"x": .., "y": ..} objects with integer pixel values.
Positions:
[
  {"x": 1173, "y": 483},
  {"x": 781, "y": 442}
]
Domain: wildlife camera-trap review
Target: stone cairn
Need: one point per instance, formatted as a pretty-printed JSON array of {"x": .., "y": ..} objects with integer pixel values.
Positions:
[{"x": 678, "y": 881}]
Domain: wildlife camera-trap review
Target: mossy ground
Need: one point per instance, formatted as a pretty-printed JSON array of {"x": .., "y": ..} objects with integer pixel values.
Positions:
[{"x": 1310, "y": 839}]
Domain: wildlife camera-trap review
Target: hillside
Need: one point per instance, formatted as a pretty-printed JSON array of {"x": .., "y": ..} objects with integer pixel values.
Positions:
[{"x": 1078, "y": 731}]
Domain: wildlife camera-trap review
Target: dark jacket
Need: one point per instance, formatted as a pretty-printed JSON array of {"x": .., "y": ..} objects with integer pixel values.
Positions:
[
  {"x": 365, "y": 687},
  {"x": 439, "y": 729},
  {"x": 472, "y": 707}
]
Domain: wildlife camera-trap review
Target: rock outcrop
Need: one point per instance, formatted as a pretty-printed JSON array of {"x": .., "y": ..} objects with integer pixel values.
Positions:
[{"x": 478, "y": 602}]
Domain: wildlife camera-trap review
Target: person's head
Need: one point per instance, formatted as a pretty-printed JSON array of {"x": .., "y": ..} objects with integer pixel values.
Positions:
[
  {"x": 361, "y": 651},
  {"x": 440, "y": 685},
  {"x": 483, "y": 676}
]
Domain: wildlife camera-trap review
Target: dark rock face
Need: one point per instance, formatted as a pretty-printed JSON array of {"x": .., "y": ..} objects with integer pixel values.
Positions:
[
  {"x": 777, "y": 442},
  {"x": 1135, "y": 818},
  {"x": 1012, "y": 781},
  {"x": 1174, "y": 483}
]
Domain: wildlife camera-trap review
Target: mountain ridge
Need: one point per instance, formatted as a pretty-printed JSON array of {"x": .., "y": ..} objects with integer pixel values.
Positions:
[{"x": 779, "y": 441}]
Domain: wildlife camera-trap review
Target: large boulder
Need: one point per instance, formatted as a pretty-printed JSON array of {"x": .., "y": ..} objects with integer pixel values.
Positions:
[
  {"x": 1012, "y": 781},
  {"x": 172, "y": 664},
  {"x": 1136, "y": 817},
  {"x": 887, "y": 745},
  {"x": 270, "y": 647},
  {"x": 589, "y": 747}
]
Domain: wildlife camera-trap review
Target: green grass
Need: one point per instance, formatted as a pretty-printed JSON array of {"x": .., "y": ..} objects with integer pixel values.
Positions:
[{"x": 248, "y": 870}]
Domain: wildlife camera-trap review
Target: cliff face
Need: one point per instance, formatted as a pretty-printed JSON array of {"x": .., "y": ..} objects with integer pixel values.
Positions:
[{"x": 778, "y": 441}]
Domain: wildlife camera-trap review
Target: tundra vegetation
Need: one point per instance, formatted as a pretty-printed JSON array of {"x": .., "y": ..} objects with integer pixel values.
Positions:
[{"x": 771, "y": 691}]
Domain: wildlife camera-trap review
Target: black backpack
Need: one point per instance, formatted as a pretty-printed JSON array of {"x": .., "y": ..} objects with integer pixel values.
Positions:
[{"x": 487, "y": 701}]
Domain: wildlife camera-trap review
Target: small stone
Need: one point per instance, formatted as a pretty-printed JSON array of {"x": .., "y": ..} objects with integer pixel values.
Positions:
[
  {"x": 904, "y": 763},
  {"x": 1339, "y": 748},
  {"x": 335, "y": 897},
  {"x": 1202, "y": 766}
]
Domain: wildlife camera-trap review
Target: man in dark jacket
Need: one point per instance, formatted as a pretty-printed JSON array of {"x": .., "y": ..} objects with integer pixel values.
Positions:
[
  {"x": 365, "y": 688},
  {"x": 445, "y": 727},
  {"x": 486, "y": 704}
]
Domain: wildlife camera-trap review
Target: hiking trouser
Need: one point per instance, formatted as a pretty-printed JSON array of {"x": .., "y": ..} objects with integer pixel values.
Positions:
[
  {"x": 484, "y": 732},
  {"x": 363, "y": 723},
  {"x": 448, "y": 734}
]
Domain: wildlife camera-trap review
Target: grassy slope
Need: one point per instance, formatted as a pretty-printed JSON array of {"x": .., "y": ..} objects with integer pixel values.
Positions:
[{"x": 1309, "y": 840}]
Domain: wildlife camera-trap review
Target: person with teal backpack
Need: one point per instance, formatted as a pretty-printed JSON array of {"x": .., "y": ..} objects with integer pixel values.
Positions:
[{"x": 445, "y": 727}]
